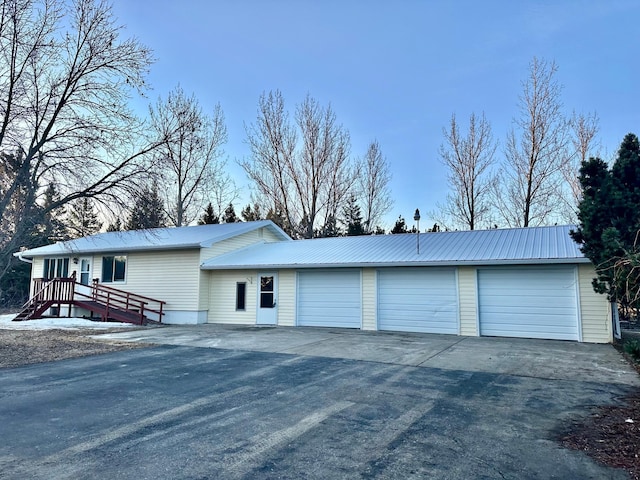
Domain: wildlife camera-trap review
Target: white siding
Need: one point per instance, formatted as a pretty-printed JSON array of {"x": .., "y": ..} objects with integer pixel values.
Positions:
[
  {"x": 468, "y": 299},
  {"x": 171, "y": 276},
  {"x": 369, "y": 303},
  {"x": 286, "y": 298},
  {"x": 235, "y": 243},
  {"x": 594, "y": 308},
  {"x": 222, "y": 297},
  {"x": 418, "y": 299},
  {"x": 529, "y": 302}
]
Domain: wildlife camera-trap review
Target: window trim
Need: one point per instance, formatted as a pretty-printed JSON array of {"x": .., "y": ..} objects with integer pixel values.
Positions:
[
  {"x": 60, "y": 263},
  {"x": 113, "y": 268},
  {"x": 243, "y": 286}
]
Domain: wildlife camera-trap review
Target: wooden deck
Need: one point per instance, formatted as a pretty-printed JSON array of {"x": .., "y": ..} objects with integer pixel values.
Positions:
[{"x": 107, "y": 303}]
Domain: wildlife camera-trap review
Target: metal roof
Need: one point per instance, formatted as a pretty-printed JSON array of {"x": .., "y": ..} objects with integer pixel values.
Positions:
[
  {"x": 477, "y": 247},
  {"x": 199, "y": 236}
]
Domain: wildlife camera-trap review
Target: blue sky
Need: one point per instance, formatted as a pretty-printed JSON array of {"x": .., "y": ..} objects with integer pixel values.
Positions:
[{"x": 394, "y": 71}]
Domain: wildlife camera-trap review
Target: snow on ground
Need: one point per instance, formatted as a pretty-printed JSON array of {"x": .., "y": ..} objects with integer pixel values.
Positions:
[{"x": 62, "y": 323}]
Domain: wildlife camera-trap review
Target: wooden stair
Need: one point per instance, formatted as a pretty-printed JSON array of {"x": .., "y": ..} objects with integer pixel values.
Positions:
[{"x": 110, "y": 304}]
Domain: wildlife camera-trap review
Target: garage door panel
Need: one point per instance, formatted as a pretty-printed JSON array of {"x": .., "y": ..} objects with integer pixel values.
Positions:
[
  {"x": 329, "y": 298},
  {"x": 418, "y": 300},
  {"x": 530, "y": 302}
]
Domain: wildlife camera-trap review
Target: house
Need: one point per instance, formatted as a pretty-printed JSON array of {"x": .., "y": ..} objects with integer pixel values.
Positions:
[{"x": 524, "y": 282}]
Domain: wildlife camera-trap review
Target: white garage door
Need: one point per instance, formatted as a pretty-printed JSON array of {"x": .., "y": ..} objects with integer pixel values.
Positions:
[
  {"x": 530, "y": 302},
  {"x": 329, "y": 298},
  {"x": 418, "y": 300}
]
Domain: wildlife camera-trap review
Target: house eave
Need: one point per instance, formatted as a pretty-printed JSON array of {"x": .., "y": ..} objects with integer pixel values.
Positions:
[{"x": 443, "y": 263}]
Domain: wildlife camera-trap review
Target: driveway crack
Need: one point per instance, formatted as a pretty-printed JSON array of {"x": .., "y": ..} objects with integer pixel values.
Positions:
[{"x": 440, "y": 352}]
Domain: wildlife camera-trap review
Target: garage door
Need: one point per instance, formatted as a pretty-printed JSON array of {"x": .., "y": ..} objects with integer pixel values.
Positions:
[
  {"x": 329, "y": 298},
  {"x": 418, "y": 300},
  {"x": 530, "y": 302}
]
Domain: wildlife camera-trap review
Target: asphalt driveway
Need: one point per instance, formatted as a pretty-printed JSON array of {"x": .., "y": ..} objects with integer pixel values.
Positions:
[{"x": 225, "y": 412}]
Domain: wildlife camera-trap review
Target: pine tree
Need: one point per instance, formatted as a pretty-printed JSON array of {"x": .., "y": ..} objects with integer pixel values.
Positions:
[
  {"x": 330, "y": 228},
  {"x": 148, "y": 211},
  {"x": 115, "y": 226},
  {"x": 82, "y": 220},
  {"x": 400, "y": 226},
  {"x": 251, "y": 214},
  {"x": 51, "y": 226},
  {"x": 609, "y": 223},
  {"x": 352, "y": 218},
  {"x": 208, "y": 217},
  {"x": 229, "y": 215}
]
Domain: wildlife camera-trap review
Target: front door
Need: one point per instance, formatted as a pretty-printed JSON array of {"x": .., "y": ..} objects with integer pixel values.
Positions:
[
  {"x": 267, "y": 303},
  {"x": 85, "y": 271}
]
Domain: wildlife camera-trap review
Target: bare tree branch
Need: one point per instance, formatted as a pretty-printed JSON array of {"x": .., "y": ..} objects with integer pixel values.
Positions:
[{"x": 536, "y": 151}]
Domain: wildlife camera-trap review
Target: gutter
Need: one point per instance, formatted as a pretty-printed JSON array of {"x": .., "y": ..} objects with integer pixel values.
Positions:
[{"x": 22, "y": 259}]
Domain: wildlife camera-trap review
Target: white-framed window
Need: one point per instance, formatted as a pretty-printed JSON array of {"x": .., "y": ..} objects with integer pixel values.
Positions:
[
  {"x": 55, "y": 268},
  {"x": 114, "y": 268}
]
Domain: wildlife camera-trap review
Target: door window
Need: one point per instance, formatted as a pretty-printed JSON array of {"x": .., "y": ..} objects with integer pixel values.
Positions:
[
  {"x": 85, "y": 271},
  {"x": 266, "y": 292}
]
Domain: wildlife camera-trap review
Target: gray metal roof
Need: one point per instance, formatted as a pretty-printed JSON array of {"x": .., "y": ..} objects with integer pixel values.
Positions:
[
  {"x": 478, "y": 247},
  {"x": 200, "y": 236}
]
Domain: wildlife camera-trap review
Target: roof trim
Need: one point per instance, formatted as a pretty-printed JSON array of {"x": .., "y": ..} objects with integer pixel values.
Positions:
[{"x": 444, "y": 263}]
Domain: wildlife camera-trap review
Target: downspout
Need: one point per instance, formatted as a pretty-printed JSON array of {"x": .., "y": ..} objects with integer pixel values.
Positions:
[{"x": 22, "y": 259}]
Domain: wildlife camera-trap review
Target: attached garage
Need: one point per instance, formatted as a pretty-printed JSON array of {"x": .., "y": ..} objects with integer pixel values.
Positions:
[
  {"x": 329, "y": 298},
  {"x": 529, "y": 302},
  {"x": 418, "y": 300}
]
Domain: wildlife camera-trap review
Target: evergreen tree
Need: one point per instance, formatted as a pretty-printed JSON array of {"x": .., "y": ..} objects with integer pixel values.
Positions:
[
  {"x": 330, "y": 228},
  {"x": 148, "y": 211},
  {"x": 229, "y": 215},
  {"x": 400, "y": 226},
  {"x": 609, "y": 222},
  {"x": 353, "y": 218},
  {"x": 52, "y": 227},
  {"x": 277, "y": 217},
  {"x": 251, "y": 214},
  {"x": 208, "y": 217},
  {"x": 82, "y": 220},
  {"x": 379, "y": 230},
  {"x": 115, "y": 226}
]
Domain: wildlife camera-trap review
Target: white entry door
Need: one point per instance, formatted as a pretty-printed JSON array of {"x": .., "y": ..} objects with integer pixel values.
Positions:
[
  {"x": 267, "y": 302},
  {"x": 85, "y": 271}
]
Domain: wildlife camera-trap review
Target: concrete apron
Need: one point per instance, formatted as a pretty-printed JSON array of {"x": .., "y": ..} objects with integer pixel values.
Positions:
[{"x": 552, "y": 359}]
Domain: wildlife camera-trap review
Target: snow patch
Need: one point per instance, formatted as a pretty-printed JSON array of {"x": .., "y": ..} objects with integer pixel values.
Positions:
[{"x": 72, "y": 323}]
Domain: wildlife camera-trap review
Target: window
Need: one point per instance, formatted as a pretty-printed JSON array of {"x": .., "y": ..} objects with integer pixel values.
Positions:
[
  {"x": 266, "y": 292},
  {"x": 85, "y": 271},
  {"x": 241, "y": 295},
  {"x": 114, "y": 268},
  {"x": 55, "y": 268}
]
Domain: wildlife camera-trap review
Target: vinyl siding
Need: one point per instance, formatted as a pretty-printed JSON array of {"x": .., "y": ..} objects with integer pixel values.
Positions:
[
  {"x": 468, "y": 301},
  {"x": 222, "y": 297},
  {"x": 37, "y": 271},
  {"x": 369, "y": 299},
  {"x": 286, "y": 298},
  {"x": 594, "y": 309},
  {"x": 171, "y": 276},
  {"x": 235, "y": 243}
]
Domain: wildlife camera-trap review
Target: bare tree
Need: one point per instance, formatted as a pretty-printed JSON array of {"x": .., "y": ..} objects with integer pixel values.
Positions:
[
  {"x": 536, "y": 150},
  {"x": 372, "y": 184},
  {"x": 190, "y": 159},
  {"x": 303, "y": 182},
  {"x": 469, "y": 158},
  {"x": 66, "y": 78},
  {"x": 584, "y": 129}
]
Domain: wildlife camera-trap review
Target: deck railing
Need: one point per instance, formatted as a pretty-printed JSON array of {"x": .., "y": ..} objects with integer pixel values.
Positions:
[{"x": 67, "y": 291}]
